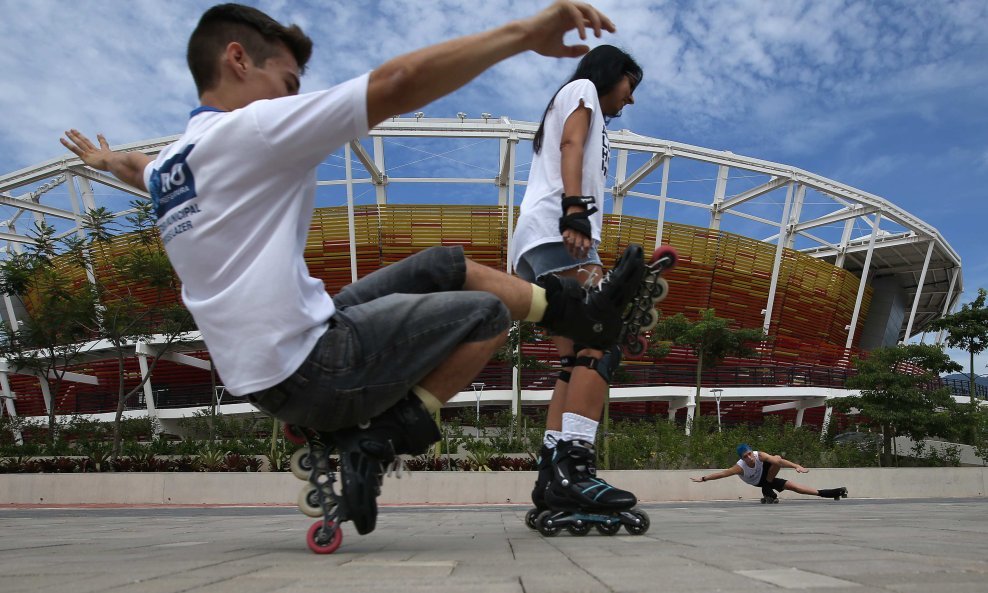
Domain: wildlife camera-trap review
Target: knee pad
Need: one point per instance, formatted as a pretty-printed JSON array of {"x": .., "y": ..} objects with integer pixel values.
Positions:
[
  {"x": 778, "y": 484},
  {"x": 566, "y": 361},
  {"x": 605, "y": 366}
]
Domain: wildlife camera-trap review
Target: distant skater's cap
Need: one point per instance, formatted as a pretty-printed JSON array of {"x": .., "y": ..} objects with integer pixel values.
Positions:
[{"x": 743, "y": 448}]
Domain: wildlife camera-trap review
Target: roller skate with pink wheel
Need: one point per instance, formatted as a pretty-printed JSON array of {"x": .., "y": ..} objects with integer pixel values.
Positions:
[
  {"x": 365, "y": 453},
  {"x": 641, "y": 314}
]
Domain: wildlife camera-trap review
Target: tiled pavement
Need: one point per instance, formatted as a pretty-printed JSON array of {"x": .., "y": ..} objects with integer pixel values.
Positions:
[{"x": 857, "y": 546}]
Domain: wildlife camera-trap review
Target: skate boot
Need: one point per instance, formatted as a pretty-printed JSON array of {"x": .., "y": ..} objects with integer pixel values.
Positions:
[
  {"x": 593, "y": 316},
  {"x": 769, "y": 496},
  {"x": 641, "y": 315},
  {"x": 541, "y": 483},
  {"x": 578, "y": 499},
  {"x": 368, "y": 450},
  {"x": 835, "y": 493}
]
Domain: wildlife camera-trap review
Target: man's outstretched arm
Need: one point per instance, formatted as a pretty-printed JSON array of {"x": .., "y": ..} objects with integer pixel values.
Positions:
[
  {"x": 731, "y": 471},
  {"x": 413, "y": 80},
  {"x": 125, "y": 166}
]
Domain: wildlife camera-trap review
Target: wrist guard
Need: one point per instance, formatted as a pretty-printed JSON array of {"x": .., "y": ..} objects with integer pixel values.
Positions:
[{"x": 578, "y": 221}]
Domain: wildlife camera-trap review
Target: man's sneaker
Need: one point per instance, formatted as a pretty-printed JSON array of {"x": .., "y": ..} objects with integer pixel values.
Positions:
[
  {"x": 593, "y": 316},
  {"x": 368, "y": 449}
]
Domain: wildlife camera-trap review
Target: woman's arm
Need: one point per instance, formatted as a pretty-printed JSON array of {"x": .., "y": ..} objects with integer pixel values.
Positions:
[{"x": 571, "y": 149}]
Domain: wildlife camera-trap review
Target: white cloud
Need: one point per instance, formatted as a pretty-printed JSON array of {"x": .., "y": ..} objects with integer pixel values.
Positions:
[{"x": 797, "y": 76}]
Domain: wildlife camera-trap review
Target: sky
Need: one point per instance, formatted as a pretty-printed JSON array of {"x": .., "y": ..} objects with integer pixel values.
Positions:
[{"x": 888, "y": 97}]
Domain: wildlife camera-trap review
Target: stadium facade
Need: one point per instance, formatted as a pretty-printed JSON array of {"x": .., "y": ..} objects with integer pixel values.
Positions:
[{"x": 826, "y": 270}]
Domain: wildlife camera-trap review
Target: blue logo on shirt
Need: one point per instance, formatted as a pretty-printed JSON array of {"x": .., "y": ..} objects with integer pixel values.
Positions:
[{"x": 172, "y": 184}]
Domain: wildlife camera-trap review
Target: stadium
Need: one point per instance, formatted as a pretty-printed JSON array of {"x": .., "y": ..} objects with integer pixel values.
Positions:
[{"x": 827, "y": 271}]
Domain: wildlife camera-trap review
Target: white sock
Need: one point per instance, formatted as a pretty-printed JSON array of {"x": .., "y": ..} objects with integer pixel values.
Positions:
[
  {"x": 551, "y": 437},
  {"x": 576, "y": 427}
]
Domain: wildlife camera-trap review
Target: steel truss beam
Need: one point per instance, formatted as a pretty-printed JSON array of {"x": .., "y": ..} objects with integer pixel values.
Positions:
[{"x": 852, "y": 203}]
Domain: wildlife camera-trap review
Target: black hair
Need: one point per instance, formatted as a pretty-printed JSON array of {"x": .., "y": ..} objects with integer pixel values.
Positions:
[
  {"x": 256, "y": 31},
  {"x": 604, "y": 66}
]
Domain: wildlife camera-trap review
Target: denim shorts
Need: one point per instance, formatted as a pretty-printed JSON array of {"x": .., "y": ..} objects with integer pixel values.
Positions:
[
  {"x": 551, "y": 258},
  {"x": 390, "y": 330}
]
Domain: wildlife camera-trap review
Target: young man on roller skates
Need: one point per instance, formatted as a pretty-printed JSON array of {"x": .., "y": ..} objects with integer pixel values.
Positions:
[
  {"x": 760, "y": 469},
  {"x": 234, "y": 197},
  {"x": 557, "y": 235}
]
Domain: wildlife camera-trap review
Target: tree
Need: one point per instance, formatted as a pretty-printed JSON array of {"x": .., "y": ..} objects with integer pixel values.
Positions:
[
  {"x": 108, "y": 282},
  {"x": 127, "y": 317},
  {"x": 900, "y": 393},
  {"x": 56, "y": 313},
  {"x": 710, "y": 338},
  {"x": 967, "y": 330}
]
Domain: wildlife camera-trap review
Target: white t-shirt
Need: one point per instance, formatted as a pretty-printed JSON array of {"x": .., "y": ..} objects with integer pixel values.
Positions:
[
  {"x": 541, "y": 207},
  {"x": 234, "y": 199},
  {"x": 751, "y": 475}
]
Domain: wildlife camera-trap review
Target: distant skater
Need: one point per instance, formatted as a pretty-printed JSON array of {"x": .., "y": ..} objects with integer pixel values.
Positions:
[{"x": 760, "y": 469}]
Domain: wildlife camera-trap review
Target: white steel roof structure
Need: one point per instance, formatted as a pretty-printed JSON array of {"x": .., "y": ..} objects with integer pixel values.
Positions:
[{"x": 487, "y": 158}]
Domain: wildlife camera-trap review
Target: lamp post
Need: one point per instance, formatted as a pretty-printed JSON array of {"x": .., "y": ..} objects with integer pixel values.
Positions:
[
  {"x": 718, "y": 392},
  {"x": 478, "y": 390}
]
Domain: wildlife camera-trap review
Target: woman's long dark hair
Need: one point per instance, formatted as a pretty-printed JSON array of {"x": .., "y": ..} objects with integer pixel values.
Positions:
[{"x": 604, "y": 66}]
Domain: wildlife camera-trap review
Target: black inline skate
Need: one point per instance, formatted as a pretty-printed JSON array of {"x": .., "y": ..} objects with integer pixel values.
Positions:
[
  {"x": 365, "y": 452},
  {"x": 544, "y": 467},
  {"x": 578, "y": 500},
  {"x": 318, "y": 498},
  {"x": 640, "y": 314},
  {"x": 835, "y": 493}
]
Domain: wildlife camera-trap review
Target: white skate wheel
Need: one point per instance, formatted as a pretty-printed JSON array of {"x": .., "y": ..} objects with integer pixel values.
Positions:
[
  {"x": 658, "y": 289},
  {"x": 308, "y": 501},
  {"x": 301, "y": 464},
  {"x": 653, "y": 320}
]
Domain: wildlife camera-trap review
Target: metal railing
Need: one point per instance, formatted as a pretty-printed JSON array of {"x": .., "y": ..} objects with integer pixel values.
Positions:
[{"x": 962, "y": 388}]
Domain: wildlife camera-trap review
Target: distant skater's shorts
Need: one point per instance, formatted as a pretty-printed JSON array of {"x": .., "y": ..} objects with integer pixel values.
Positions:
[{"x": 777, "y": 484}]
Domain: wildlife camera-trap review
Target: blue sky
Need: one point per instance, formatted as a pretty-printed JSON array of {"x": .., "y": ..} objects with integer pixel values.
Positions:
[{"x": 889, "y": 97}]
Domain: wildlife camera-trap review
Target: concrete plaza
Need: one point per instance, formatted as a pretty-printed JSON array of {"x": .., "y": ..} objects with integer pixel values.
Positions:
[{"x": 856, "y": 545}]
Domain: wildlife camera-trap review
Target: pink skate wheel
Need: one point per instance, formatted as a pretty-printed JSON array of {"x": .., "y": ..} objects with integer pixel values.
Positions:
[
  {"x": 665, "y": 251},
  {"x": 314, "y": 538}
]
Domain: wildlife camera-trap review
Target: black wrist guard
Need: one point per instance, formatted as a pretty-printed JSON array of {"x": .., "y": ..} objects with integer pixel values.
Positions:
[{"x": 578, "y": 221}]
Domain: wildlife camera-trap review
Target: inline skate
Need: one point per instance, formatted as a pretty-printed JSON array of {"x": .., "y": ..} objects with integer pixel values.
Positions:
[{"x": 578, "y": 500}]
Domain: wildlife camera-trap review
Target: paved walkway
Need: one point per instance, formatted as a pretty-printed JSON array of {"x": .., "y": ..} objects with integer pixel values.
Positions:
[{"x": 740, "y": 546}]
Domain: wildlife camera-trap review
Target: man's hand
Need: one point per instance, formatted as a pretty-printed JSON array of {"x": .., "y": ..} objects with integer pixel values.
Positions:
[
  {"x": 697, "y": 479},
  {"x": 125, "y": 166},
  {"x": 91, "y": 155},
  {"x": 545, "y": 30},
  {"x": 800, "y": 469}
]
